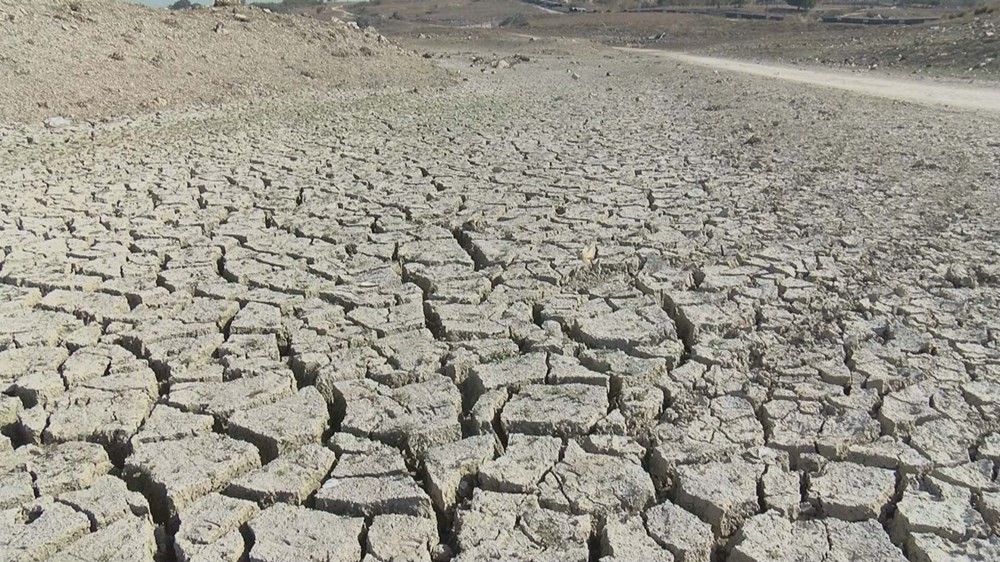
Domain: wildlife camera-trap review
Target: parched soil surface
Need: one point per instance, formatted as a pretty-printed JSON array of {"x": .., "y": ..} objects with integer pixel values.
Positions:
[
  {"x": 592, "y": 305},
  {"x": 93, "y": 58}
]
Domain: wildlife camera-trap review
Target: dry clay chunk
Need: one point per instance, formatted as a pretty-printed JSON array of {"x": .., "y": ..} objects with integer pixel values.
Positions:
[
  {"x": 291, "y": 478},
  {"x": 596, "y": 484},
  {"x": 283, "y": 533},
  {"x": 39, "y": 530},
  {"x": 285, "y": 425},
  {"x": 210, "y": 529},
  {"x": 173, "y": 474},
  {"x": 127, "y": 540}
]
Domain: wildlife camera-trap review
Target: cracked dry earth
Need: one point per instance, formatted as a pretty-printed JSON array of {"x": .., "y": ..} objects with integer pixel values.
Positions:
[{"x": 664, "y": 315}]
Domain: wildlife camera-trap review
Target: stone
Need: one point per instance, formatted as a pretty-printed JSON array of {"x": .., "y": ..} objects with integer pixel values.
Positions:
[{"x": 57, "y": 122}]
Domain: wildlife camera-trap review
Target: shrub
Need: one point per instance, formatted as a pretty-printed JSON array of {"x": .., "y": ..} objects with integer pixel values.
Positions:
[
  {"x": 516, "y": 20},
  {"x": 802, "y": 4}
]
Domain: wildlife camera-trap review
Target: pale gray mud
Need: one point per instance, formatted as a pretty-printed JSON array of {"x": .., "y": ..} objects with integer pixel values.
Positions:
[{"x": 586, "y": 307}]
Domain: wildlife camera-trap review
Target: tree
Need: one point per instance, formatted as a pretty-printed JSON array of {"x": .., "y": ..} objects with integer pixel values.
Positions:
[
  {"x": 182, "y": 5},
  {"x": 802, "y": 4}
]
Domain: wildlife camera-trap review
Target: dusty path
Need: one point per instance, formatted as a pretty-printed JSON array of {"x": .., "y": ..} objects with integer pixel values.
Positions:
[{"x": 915, "y": 91}]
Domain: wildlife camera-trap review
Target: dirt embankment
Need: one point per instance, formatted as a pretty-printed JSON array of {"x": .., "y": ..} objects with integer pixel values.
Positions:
[
  {"x": 962, "y": 43},
  {"x": 89, "y": 58}
]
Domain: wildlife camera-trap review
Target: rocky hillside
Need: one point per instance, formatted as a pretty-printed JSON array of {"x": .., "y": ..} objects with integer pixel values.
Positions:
[{"x": 87, "y": 58}]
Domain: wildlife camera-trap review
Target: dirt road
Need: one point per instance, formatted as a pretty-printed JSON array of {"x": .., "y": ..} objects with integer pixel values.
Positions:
[{"x": 914, "y": 91}]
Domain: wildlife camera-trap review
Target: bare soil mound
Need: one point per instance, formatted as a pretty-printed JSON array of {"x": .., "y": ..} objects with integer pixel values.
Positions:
[
  {"x": 959, "y": 44},
  {"x": 87, "y": 58},
  {"x": 969, "y": 44}
]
